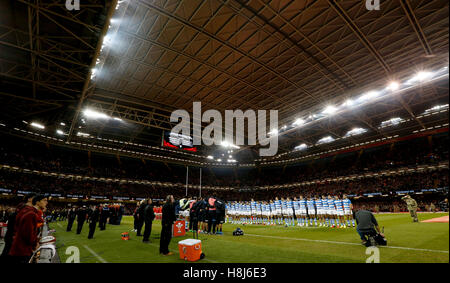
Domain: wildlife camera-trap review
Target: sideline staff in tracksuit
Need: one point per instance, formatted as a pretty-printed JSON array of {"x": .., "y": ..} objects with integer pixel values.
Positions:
[
  {"x": 220, "y": 214},
  {"x": 71, "y": 215},
  {"x": 202, "y": 211},
  {"x": 191, "y": 204},
  {"x": 81, "y": 217},
  {"x": 211, "y": 201},
  {"x": 104, "y": 214},
  {"x": 168, "y": 218},
  {"x": 140, "y": 217},
  {"x": 194, "y": 215},
  {"x": 149, "y": 215},
  {"x": 93, "y": 218}
]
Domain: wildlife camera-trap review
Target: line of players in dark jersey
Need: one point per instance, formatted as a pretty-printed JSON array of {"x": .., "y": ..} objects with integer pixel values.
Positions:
[
  {"x": 205, "y": 215},
  {"x": 325, "y": 211}
]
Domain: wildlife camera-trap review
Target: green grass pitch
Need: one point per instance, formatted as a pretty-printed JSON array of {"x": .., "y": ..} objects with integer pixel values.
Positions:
[{"x": 407, "y": 243}]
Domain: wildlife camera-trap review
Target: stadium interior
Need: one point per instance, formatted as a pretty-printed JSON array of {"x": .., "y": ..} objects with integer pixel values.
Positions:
[{"x": 86, "y": 98}]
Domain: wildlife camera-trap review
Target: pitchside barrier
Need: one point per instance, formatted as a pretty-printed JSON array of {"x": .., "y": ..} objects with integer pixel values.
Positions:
[
  {"x": 3, "y": 229},
  {"x": 47, "y": 250}
]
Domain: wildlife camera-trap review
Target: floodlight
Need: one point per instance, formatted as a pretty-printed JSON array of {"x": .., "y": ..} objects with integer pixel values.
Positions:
[
  {"x": 423, "y": 75},
  {"x": 327, "y": 139},
  {"x": 355, "y": 131},
  {"x": 369, "y": 96},
  {"x": 37, "y": 125},
  {"x": 349, "y": 103},
  {"x": 94, "y": 114},
  {"x": 301, "y": 147},
  {"x": 298, "y": 122},
  {"x": 393, "y": 86},
  {"x": 330, "y": 110}
]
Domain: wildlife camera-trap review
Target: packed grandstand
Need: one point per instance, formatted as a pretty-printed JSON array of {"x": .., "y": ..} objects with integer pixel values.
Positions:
[{"x": 375, "y": 176}]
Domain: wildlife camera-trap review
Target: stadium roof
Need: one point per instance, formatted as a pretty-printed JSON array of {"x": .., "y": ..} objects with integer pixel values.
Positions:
[{"x": 140, "y": 60}]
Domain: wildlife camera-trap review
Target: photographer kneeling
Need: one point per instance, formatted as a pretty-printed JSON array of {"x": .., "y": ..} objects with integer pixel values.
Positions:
[{"x": 367, "y": 226}]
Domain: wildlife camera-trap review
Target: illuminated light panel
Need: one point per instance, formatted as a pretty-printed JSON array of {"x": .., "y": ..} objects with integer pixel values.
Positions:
[
  {"x": 349, "y": 103},
  {"x": 436, "y": 108},
  {"x": 210, "y": 157},
  {"x": 301, "y": 147},
  {"x": 392, "y": 122},
  {"x": 93, "y": 73},
  {"x": 329, "y": 110},
  {"x": 94, "y": 114},
  {"x": 298, "y": 122},
  {"x": 59, "y": 132},
  {"x": 118, "y": 3},
  {"x": 37, "y": 125},
  {"x": 355, "y": 132},
  {"x": 324, "y": 140},
  {"x": 420, "y": 77},
  {"x": 107, "y": 39},
  {"x": 80, "y": 134},
  {"x": 369, "y": 96},
  {"x": 393, "y": 86}
]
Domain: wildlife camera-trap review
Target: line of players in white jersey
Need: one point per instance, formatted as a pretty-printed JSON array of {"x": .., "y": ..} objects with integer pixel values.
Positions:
[{"x": 326, "y": 211}]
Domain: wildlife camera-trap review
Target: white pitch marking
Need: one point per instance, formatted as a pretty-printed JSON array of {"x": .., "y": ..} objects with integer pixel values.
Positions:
[
  {"x": 95, "y": 254},
  {"x": 345, "y": 243}
]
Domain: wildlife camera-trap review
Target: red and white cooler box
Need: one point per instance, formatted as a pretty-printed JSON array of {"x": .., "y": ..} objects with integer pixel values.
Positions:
[
  {"x": 3, "y": 228},
  {"x": 190, "y": 249}
]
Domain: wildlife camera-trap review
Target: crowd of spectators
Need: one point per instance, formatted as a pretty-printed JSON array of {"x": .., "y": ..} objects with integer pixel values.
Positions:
[
  {"x": 39, "y": 156},
  {"x": 387, "y": 185}
]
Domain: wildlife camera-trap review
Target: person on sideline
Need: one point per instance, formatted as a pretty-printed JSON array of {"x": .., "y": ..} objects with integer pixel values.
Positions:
[{"x": 168, "y": 218}]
